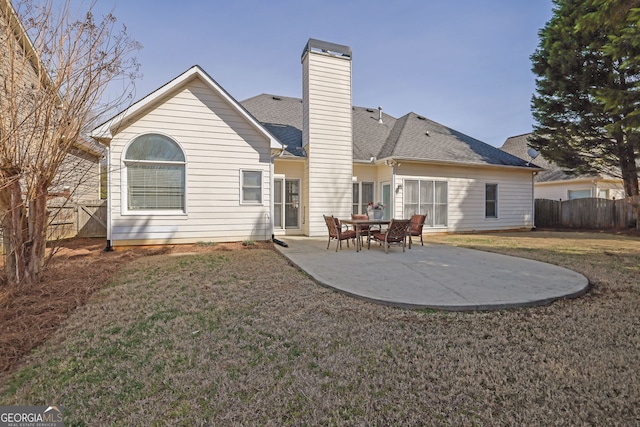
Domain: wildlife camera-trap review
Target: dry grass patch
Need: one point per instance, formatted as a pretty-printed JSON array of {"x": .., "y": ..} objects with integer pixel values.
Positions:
[{"x": 242, "y": 338}]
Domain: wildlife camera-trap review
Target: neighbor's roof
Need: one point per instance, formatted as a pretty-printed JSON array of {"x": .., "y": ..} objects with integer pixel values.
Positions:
[
  {"x": 518, "y": 146},
  {"x": 90, "y": 146},
  {"x": 411, "y": 137}
]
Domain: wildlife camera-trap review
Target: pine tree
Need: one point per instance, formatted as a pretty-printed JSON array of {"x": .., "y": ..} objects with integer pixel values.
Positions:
[{"x": 587, "y": 101}]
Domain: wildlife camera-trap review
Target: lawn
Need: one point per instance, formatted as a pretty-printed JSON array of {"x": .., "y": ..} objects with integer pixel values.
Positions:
[{"x": 240, "y": 337}]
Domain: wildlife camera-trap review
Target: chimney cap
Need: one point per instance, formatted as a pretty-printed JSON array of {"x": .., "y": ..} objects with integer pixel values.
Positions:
[{"x": 327, "y": 47}]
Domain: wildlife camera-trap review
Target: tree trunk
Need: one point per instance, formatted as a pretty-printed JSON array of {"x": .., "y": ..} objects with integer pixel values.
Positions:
[
  {"x": 628, "y": 166},
  {"x": 24, "y": 234},
  {"x": 15, "y": 232},
  {"x": 38, "y": 221}
]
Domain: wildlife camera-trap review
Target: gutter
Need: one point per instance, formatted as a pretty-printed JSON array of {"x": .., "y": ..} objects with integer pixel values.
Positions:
[{"x": 459, "y": 164}]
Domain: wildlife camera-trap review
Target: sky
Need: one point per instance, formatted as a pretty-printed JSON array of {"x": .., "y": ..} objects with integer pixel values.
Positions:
[{"x": 465, "y": 64}]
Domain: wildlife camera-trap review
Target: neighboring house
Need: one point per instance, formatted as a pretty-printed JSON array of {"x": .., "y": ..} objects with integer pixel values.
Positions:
[
  {"x": 555, "y": 184},
  {"x": 189, "y": 163},
  {"x": 78, "y": 177}
]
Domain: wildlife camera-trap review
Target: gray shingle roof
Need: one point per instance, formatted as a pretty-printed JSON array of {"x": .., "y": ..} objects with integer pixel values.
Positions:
[
  {"x": 418, "y": 137},
  {"x": 411, "y": 136},
  {"x": 369, "y": 136},
  {"x": 282, "y": 116},
  {"x": 518, "y": 146}
]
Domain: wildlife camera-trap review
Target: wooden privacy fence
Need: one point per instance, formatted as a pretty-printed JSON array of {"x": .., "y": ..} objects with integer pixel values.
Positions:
[
  {"x": 590, "y": 213},
  {"x": 87, "y": 219}
]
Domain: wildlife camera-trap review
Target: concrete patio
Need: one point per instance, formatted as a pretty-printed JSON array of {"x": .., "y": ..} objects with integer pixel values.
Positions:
[{"x": 434, "y": 276}]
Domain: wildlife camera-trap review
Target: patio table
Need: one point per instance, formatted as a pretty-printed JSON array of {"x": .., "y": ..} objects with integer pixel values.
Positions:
[{"x": 358, "y": 223}]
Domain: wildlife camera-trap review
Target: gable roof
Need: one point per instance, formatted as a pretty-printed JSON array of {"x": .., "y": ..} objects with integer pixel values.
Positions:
[
  {"x": 411, "y": 137},
  {"x": 106, "y": 130}
]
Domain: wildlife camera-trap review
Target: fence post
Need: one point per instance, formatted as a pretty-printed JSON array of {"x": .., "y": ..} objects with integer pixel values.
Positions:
[
  {"x": 559, "y": 213},
  {"x": 615, "y": 217}
]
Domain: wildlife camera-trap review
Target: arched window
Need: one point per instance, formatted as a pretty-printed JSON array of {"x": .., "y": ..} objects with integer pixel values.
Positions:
[{"x": 155, "y": 167}]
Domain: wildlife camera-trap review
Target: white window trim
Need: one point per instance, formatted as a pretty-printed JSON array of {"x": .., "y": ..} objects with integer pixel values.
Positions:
[
  {"x": 434, "y": 180},
  {"x": 361, "y": 202},
  {"x": 124, "y": 188},
  {"x": 251, "y": 203},
  {"x": 491, "y": 218},
  {"x": 283, "y": 191}
]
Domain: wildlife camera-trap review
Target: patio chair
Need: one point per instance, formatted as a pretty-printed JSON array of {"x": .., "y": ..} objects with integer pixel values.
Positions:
[
  {"x": 365, "y": 229},
  {"x": 396, "y": 234},
  {"x": 336, "y": 232},
  {"x": 415, "y": 229}
]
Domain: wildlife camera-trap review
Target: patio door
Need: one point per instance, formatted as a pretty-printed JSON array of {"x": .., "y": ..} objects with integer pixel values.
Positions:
[
  {"x": 286, "y": 203},
  {"x": 386, "y": 199}
]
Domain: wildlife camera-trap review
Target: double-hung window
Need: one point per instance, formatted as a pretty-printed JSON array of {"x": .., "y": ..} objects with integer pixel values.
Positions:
[
  {"x": 491, "y": 200},
  {"x": 426, "y": 197},
  {"x": 251, "y": 187},
  {"x": 155, "y": 175}
]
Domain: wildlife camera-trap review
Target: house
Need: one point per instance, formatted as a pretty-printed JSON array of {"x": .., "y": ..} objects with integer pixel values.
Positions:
[
  {"x": 79, "y": 176},
  {"x": 554, "y": 183},
  {"x": 189, "y": 163},
  {"x": 77, "y": 180}
]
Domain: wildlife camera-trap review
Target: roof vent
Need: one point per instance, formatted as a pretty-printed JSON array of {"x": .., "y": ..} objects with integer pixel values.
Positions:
[
  {"x": 276, "y": 98},
  {"x": 370, "y": 110},
  {"x": 380, "y": 114},
  {"x": 421, "y": 118}
]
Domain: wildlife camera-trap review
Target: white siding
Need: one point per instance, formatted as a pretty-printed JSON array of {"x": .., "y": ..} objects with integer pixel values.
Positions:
[
  {"x": 327, "y": 136},
  {"x": 218, "y": 143},
  {"x": 80, "y": 172},
  {"x": 466, "y": 196}
]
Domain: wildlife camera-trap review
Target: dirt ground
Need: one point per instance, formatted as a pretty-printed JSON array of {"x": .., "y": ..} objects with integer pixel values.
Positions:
[{"x": 80, "y": 268}]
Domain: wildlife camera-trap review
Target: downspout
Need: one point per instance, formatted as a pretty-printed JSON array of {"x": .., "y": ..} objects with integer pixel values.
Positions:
[{"x": 108, "y": 248}]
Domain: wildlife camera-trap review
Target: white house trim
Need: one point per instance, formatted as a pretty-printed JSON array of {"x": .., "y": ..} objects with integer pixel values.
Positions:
[{"x": 106, "y": 131}]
